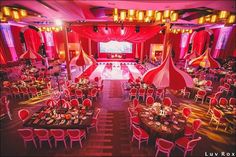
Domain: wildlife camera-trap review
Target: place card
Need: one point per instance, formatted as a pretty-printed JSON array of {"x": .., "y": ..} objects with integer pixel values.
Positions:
[
  {"x": 36, "y": 121},
  {"x": 50, "y": 122}
]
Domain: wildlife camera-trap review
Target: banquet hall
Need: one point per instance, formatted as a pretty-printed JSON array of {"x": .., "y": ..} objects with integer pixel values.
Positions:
[{"x": 118, "y": 78}]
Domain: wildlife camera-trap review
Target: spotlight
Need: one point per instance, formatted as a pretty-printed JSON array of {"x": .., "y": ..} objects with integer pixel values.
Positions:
[
  {"x": 58, "y": 22},
  {"x": 95, "y": 28},
  {"x": 137, "y": 29}
]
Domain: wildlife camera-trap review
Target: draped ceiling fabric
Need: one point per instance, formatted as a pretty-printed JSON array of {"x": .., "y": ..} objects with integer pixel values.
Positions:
[
  {"x": 205, "y": 61},
  {"x": 166, "y": 75},
  {"x": 105, "y": 34}
]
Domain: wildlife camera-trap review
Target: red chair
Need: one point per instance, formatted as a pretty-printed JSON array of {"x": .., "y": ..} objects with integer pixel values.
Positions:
[
  {"x": 149, "y": 92},
  {"x": 164, "y": 146},
  {"x": 25, "y": 92},
  {"x": 159, "y": 94},
  {"x": 135, "y": 102},
  {"x": 141, "y": 93},
  {"x": 74, "y": 103},
  {"x": 132, "y": 93},
  {"x": 93, "y": 94},
  {"x": 67, "y": 94},
  {"x": 79, "y": 94},
  {"x": 76, "y": 135},
  {"x": 149, "y": 101},
  {"x": 212, "y": 104},
  {"x": 140, "y": 135},
  {"x": 27, "y": 135},
  {"x": 58, "y": 135},
  {"x": 133, "y": 119},
  {"x": 51, "y": 103},
  {"x": 4, "y": 107},
  {"x": 23, "y": 114},
  {"x": 208, "y": 83},
  {"x": 77, "y": 80},
  {"x": 185, "y": 92},
  {"x": 186, "y": 145},
  {"x": 87, "y": 103},
  {"x": 214, "y": 95},
  {"x": 232, "y": 102},
  {"x": 200, "y": 95},
  {"x": 61, "y": 102},
  {"x": 167, "y": 101},
  {"x": 191, "y": 131},
  {"x": 223, "y": 102},
  {"x": 43, "y": 135},
  {"x": 33, "y": 91},
  {"x": 16, "y": 91},
  {"x": 186, "y": 112},
  {"x": 94, "y": 123},
  {"x": 217, "y": 116}
]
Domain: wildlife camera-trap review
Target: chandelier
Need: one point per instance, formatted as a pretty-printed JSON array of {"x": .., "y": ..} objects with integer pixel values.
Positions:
[
  {"x": 219, "y": 17},
  {"x": 50, "y": 29},
  {"x": 132, "y": 15},
  {"x": 13, "y": 13}
]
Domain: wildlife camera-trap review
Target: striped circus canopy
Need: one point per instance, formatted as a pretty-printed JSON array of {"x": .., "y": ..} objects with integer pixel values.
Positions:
[
  {"x": 30, "y": 55},
  {"x": 81, "y": 59},
  {"x": 190, "y": 56},
  {"x": 205, "y": 61},
  {"x": 168, "y": 75}
]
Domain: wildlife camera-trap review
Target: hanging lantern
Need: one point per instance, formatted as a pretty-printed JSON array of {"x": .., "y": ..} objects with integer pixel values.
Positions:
[
  {"x": 174, "y": 17},
  {"x": 231, "y": 19},
  {"x": 201, "y": 20},
  {"x": 140, "y": 15},
  {"x": 131, "y": 13},
  {"x": 223, "y": 14},
  {"x": 115, "y": 12},
  {"x": 6, "y": 11},
  {"x": 213, "y": 18},
  {"x": 23, "y": 13},
  {"x": 158, "y": 16},
  {"x": 122, "y": 15},
  {"x": 115, "y": 18},
  {"x": 15, "y": 15},
  {"x": 166, "y": 14},
  {"x": 190, "y": 31},
  {"x": 131, "y": 18},
  {"x": 149, "y": 13}
]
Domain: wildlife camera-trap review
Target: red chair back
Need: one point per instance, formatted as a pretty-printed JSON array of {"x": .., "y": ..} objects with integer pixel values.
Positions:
[
  {"x": 26, "y": 134},
  {"x": 96, "y": 79},
  {"x": 23, "y": 114},
  {"x": 135, "y": 102},
  {"x": 42, "y": 134},
  {"x": 51, "y": 103},
  {"x": 186, "y": 112},
  {"x": 150, "y": 91},
  {"x": 149, "y": 100},
  {"x": 87, "y": 102},
  {"x": 74, "y": 103},
  {"x": 201, "y": 92},
  {"x": 213, "y": 102},
  {"x": 167, "y": 101},
  {"x": 223, "y": 102},
  {"x": 197, "y": 124},
  {"x": 78, "y": 92},
  {"x": 61, "y": 102},
  {"x": 141, "y": 91},
  {"x": 58, "y": 133},
  {"x": 164, "y": 145},
  {"x": 217, "y": 113},
  {"x": 232, "y": 101},
  {"x": 192, "y": 143}
]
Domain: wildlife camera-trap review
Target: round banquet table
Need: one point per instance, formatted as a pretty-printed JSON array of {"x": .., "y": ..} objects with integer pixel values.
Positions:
[{"x": 170, "y": 127}]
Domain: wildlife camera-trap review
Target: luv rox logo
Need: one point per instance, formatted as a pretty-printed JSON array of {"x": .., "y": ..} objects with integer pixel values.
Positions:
[{"x": 219, "y": 154}]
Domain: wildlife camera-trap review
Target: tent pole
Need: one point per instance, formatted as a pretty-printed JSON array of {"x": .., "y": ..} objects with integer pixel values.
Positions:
[
  {"x": 166, "y": 41},
  {"x": 67, "y": 57}
]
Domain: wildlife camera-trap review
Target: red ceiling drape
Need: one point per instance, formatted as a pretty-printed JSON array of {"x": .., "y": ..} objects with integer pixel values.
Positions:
[
  {"x": 105, "y": 34},
  {"x": 32, "y": 40}
]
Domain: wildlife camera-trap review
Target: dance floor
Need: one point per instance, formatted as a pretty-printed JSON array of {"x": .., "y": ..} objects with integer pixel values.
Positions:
[{"x": 116, "y": 71}]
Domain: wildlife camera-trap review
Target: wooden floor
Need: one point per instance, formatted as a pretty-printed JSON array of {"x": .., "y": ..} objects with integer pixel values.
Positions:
[{"x": 113, "y": 137}]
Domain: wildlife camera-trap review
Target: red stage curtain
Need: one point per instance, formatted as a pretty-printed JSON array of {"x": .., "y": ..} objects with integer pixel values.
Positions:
[
  {"x": 114, "y": 33},
  {"x": 32, "y": 40},
  {"x": 16, "y": 38},
  {"x": 200, "y": 42}
]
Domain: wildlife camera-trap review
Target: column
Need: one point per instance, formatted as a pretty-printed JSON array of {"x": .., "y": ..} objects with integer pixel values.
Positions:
[
  {"x": 67, "y": 57},
  {"x": 166, "y": 41},
  {"x": 90, "y": 46},
  {"x": 141, "y": 54}
]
